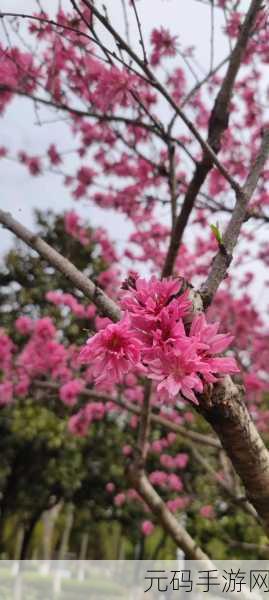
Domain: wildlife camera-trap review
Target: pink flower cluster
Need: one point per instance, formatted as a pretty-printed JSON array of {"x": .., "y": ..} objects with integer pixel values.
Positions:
[
  {"x": 74, "y": 228},
  {"x": 164, "y": 45},
  {"x": 62, "y": 299},
  {"x": 152, "y": 338},
  {"x": 112, "y": 352},
  {"x": 79, "y": 423},
  {"x": 70, "y": 391}
]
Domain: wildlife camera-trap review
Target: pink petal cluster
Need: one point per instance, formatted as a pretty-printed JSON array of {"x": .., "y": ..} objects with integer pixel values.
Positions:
[
  {"x": 147, "y": 528},
  {"x": 70, "y": 391},
  {"x": 62, "y": 299},
  {"x": 74, "y": 228},
  {"x": 152, "y": 335},
  {"x": 112, "y": 352},
  {"x": 24, "y": 325},
  {"x": 207, "y": 511},
  {"x": 164, "y": 44},
  {"x": 79, "y": 423}
]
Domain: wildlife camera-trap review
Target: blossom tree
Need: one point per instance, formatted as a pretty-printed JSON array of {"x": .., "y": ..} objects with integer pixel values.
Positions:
[{"x": 148, "y": 140}]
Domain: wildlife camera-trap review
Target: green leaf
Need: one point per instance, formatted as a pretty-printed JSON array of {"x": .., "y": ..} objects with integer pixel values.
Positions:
[{"x": 216, "y": 232}]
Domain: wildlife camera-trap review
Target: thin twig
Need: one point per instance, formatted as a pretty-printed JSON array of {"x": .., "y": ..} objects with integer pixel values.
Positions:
[
  {"x": 139, "y": 26},
  {"x": 208, "y": 150},
  {"x": 172, "y": 183},
  {"x": 212, "y": 34},
  {"x": 186, "y": 434},
  {"x": 126, "y": 22},
  {"x": 62, "y": 264},
  {"x": 144, "y": 428},
  {"x": 225, "y": 253}
]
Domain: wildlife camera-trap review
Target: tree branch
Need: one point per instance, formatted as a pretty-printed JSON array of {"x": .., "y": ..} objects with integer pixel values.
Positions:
[
  {"x": 189, "y": 437},
  {"x": 80, "y": 112},
  {"x": 54, "y": 258},
  {"x": 172, "y": 183},
  {"x": 194, "y": 436},
  {"x": 170, "y": 524},
  {"x": 145, "y": 421},
  {"x": 229, "y": 417},
  {"x": 208, "y": 150},
  {"x": 235, "y": 429},
  {"x": 225, "y": 254},
  {"x": 218, "y": 123}
]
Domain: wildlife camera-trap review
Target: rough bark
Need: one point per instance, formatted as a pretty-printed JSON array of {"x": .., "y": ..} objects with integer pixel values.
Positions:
[{"x": 227, "y": 414}]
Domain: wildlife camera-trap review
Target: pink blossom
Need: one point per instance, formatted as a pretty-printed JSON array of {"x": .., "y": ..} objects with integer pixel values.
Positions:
[
  {"x": 95, "y": 411},
  {"x": 54, "y": 155},
  {"x": 74, "y": 228},
  {"x": 85, "y": 175},
  {"x": 102, "y": 322},
  {"x": 206, "y": 333},
  {"x": 158, "y": 478},
  {"x": 167, "y": 461},
  {"x": 110, "y": 487},
  {"x": 207, "y": 511},
  {"x": 90, "y": 311},
  {"x": 44, "y": 328},
  {"x": 34, "y": 165},
  {"x": 112, "y": 352},
  {"x": 181, "y": 460},
  {"x": 157, "y": 446},
  {"x": 114, "y": 86},
  {"x": 24, "y": 325},
  {"x": 252, "y": 382},
  {"x": 177, "y": 504},
  {"x": 164, "y": 44},
  {"x": 133, "y": 495},
  {"x": 147, "y": 299},
  {"x": 127, "y": 450},
  {"x": 174, "y": 482},
  {"x": 70, "y": 391},
  {"x": 147, "y": 528},
  {"x": 119, "y": 499},
  {"x": 6, "y": 352},
  {"x": 79, "y": 424},
  {"x": 176, "y": 370}
]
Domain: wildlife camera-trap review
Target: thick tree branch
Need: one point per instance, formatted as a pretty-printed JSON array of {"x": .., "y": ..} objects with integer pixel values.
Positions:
[
  {"x": 169, "y": 522},
  {"x": 218, "y": 123},
  {"x": 228, "y": 415},
  {"x": 54, "y": 258},
  {"x": 224, "y": 256}
]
